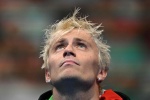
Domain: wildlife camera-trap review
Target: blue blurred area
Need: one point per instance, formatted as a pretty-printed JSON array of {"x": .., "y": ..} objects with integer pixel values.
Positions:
[{"x": 126, "y": 29}]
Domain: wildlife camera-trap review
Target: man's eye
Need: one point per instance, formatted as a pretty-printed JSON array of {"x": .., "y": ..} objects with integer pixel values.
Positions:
[
  {"x": 81, "y": 46},
  {"x": 59, "y": 47}
]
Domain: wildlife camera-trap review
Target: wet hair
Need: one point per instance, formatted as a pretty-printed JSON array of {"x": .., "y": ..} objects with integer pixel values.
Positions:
[{"x": 66, "y": 25}]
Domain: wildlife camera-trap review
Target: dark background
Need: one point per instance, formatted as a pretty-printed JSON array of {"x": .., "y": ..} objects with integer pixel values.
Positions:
[{"x": 126, "y": 29}]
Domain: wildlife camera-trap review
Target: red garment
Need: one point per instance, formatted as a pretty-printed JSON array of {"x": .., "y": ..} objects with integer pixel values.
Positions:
[{"x": 110, "y": 95}]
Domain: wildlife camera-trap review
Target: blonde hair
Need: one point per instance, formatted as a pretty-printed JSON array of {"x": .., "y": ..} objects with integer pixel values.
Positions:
[{"x": 67, "y": 24}]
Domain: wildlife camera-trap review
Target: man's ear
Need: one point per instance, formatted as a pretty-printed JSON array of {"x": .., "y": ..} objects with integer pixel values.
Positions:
[
  {"x": 101, "y": 75},
  {"x": 47, "y": 76}
]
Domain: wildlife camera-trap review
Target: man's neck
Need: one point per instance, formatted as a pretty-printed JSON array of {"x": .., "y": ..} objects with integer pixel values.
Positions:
[{"x": 76, "y": 93}]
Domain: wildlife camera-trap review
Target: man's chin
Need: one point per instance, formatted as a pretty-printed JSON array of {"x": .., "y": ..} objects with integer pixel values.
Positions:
[
  {"x": 72, "y": 82},
  {"x": 68, "y": 80}
]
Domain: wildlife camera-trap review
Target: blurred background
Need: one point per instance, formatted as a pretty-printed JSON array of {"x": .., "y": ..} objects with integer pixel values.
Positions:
[{"x": 126, "y": 29}]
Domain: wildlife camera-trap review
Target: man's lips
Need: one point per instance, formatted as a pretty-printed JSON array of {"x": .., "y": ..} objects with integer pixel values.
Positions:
[{"x": 69, "y": 61}]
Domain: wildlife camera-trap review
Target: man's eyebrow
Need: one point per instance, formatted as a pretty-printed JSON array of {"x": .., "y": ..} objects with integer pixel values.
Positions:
[{"x": 60, "y": 41}]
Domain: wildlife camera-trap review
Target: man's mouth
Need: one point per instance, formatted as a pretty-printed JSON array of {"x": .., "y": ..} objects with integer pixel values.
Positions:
[{"x": 69, "y": 61}]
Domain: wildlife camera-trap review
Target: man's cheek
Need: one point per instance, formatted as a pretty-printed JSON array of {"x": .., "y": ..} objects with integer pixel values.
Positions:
[{"x": 51, "y": 65}]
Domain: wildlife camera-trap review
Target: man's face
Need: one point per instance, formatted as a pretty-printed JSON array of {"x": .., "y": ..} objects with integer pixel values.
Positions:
[{"x": 74, "y": 55}]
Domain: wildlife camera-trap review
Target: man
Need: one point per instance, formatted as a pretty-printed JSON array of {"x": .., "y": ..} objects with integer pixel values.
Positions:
[{"x": 76, "y": 61}]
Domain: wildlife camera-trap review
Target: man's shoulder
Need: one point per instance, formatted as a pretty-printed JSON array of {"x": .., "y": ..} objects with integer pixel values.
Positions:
[
  {"x": 113, "y": 95},
  {"x": 122, "y": 95}
]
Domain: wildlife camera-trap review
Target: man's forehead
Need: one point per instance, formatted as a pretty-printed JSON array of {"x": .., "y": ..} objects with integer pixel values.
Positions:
[
  {"x": 74, "y": 39},
  {"x": 76, "y": 34}
]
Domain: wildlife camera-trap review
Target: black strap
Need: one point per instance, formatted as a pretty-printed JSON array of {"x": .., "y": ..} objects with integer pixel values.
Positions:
[{"x": 46, "y": 95}]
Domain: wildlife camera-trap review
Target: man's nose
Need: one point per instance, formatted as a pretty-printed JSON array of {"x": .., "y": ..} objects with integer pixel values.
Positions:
[{"x": 69, "y": 51}]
